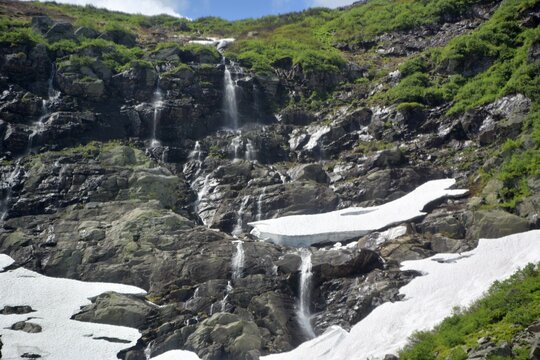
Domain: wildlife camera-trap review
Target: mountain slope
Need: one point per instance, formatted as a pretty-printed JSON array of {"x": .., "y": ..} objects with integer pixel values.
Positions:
[{"x": 138, "y": 149}]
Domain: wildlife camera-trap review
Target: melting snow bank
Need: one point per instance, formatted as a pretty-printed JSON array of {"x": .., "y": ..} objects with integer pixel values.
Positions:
[
  {"x": 450, "y": 280},
  {"x": 5, "y": 261},
  {"x": 306, "y": 230},
  {"x": 53, "y": 302},
  {"x": 177, "y": 355},
  {"x": 218, "y": 43}
]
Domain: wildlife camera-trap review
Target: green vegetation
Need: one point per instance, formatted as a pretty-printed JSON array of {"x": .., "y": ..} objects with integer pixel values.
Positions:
[
  {"x": 509, "y": 307},
  {"x": 521, "y": 160},
  {"x": 14, "y": 32},
  {"x": 476, "y": 68}
]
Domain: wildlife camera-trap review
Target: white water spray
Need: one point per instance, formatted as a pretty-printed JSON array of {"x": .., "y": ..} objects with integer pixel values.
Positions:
[
  {"x": 236, "y": 145},
  {"x": 303, "y": 313},
  {"x": 238, "y": 260},
  {"x": 230, "y": 104},
  {"x": 38, "y": 126},
  {"x": 223, "y": 302},
  {"x": 8, "y": 185},
  {"x": 259, "y": 204},
  {"x": 251, "y": 153},
  {"x": 157, "y": 104},
  {"x": 240, "y": 222}
]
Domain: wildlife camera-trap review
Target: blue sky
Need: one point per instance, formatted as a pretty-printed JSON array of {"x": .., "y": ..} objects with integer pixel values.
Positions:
[
  {"x": 241, "y": 9},
  {"x": 228, "y": 9}
]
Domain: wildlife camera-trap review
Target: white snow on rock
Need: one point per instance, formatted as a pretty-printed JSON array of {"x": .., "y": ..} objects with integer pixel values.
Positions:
[
  {"x": 450, "y": 280},
  {"x": 54, "y": 301},
  {"x": 177, "y": 355},
  {"x": 220, "y": 44},
  {"x": 306, "y": 230},
  {"x": 5, "y": 261}
]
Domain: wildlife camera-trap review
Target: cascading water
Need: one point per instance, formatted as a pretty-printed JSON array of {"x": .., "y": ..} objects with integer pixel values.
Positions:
[
  {"x": 7, "y": 187},
  {"x": 38, "y": 126},
  {"x": 240, "y": 222},
  {"x": 230, "y": 104},
  {"x": 237, "y": 144},
  {"x": 259, "y": 204},
  {"x": 196, "y": 154},
  {"x": 303, "y": 312},
  {"x": 157, "y": 104},
  {"x": 251, "y": 153},
  {"x": 223, "y": 302},
  {"x": 201, "y": 194},
  {"x": 195, "y": 163},
  {"x": 238, "y": 260}
]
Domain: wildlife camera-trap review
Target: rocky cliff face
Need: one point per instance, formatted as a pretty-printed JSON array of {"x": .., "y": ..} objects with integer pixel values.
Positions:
[{"x": 137, "y": 176}]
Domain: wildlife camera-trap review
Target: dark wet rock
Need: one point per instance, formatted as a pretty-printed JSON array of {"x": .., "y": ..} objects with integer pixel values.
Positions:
[
  {"x": 117, "y": 309},
  {"x": 42, "y": 23},
  {"x": 84, "y": 32},
  {"x": 533, "y": 53},
  {"x": 444, "y": 223},
  {"x": 333, "y": 264},
  {"x": 120, "y": 37},
  {"x": 60, "y": 31},
  {"x": 442, "y": 244},
  {"x": 9, "y": 310},
  {"x": 489, "y": 349},
  {"x": 309, "y": 172},
  {"x": 347, "y": 301},
  {"x": 25, "y": 326},
  {"x": 226, "y": 333},
  {"x": 492, "y": 224},
  {"x": 406, "y": 248},
  {"x": 296, "y": 116},
  {"x": 386, "y": 158}
]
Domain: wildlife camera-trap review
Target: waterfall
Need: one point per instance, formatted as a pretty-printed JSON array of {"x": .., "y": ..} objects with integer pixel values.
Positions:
[
  {"x": 52, "y": 94},
  {"x": 238, "y": 260},
  {"x": 230, "y": 104},
  {"x": 223, "y": 302},
  {"x": 148, "y": 350},
  {"x": 195, "y": 160},
  {"x": 240, "y": 222},
  {"x": 8, "y": 187},
  {"x": 196, "y": 153},
  {"x": 157, "y": 104},
  {"x": 259, "y": 204},
  {"x": 202, "y": 193},
  {"x": 251, "y": 153},
  {"x": 237, "y": 145},
  {"x": 51, "y": 236},
  {"x": 303, "y": 312}
]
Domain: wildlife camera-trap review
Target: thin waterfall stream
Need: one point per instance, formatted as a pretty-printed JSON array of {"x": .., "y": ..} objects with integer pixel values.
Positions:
[
  {"x": 259, "y": 204},
  {"x": 157, "y": 104},
  {"x": 230, "y": 102},
  {"x": 240, "y": 221},
  {"x": 304, "y": 313},
  {"x": 238, "y": 260}
]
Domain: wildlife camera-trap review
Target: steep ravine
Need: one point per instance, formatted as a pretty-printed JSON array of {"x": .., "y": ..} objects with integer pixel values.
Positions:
[{"x": 149, "y": 173}]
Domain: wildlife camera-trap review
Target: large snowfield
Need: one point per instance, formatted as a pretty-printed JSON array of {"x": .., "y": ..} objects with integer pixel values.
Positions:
[
  {"x": 450, "y": 280},
  {"x": 53, "y": 302},
  {"x": 307, "y": 230}
]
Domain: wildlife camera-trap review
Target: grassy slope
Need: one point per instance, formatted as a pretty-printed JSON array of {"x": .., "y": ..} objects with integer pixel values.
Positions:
[{"x": 508, "y": 308}]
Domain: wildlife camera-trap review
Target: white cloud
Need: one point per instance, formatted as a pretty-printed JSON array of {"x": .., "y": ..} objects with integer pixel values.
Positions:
[
  {"x": 145, "y": 7},
  {"x": 331, "y": 3}
]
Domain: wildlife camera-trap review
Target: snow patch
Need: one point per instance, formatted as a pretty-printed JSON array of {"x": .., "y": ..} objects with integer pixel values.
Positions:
[
  {"x": 55, "y": 301},
  {"x": 177, "y": 355},
  {"x": 5, "y": 261},
  {"x": 306, "y": 230},
  {"x": 451, "y": 280}
]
